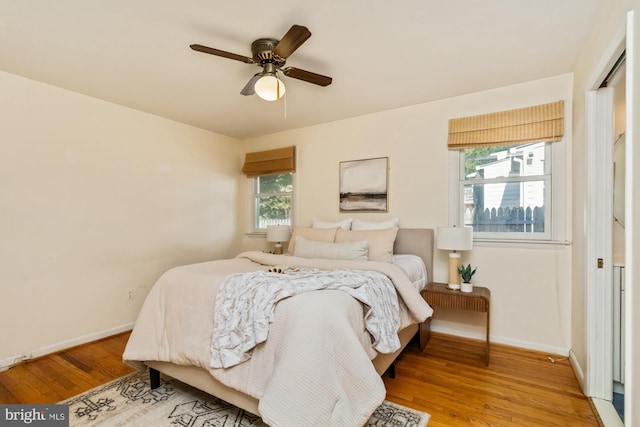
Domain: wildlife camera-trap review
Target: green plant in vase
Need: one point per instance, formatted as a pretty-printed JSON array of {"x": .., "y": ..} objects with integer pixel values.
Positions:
[{"x": 466, "y": 272}]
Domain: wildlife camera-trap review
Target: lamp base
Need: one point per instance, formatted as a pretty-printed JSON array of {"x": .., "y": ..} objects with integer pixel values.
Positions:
[
  {"x": 454, "y": 275},
  {"x": 277, "y": 249}
]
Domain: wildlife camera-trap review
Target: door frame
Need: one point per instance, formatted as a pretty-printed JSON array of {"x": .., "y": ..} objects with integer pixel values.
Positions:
[{"x": 599, "y": 233}]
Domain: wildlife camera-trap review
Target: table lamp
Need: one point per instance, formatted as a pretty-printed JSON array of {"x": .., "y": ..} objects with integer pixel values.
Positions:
[
  {"x": 454, "y": 239},
  {"x": 278, "y": 234}
]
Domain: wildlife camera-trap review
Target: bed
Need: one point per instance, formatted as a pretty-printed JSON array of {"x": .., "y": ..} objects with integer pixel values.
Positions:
[{"x": 319, "y": 366}]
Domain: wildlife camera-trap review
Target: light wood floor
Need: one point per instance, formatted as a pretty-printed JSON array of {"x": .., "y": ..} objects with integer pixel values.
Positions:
[
  {"x": 448, "y": 380},
  {"x": 53, "y": 378}
]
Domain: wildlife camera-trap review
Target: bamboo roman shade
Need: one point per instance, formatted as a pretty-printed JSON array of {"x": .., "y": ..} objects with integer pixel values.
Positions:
[
  {"x": 270, "y": 162},
  {"x": 538, "y": 123}
]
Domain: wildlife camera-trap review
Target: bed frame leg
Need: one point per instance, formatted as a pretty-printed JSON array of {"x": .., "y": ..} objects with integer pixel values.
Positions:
[
  {"x": 392, "y": 370},
  {"x": 154, "y": 378}
]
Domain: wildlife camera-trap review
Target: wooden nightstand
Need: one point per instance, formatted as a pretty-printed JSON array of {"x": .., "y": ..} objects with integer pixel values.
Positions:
[{"x": 439, "y": 295}]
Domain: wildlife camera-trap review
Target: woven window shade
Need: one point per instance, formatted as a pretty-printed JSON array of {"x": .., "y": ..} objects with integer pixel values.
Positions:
[
  {"x": 270, "y": 162},
  {"x": 538, "y": 123}
]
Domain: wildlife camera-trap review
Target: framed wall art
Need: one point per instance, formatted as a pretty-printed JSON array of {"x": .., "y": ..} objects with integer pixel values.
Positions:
[{"x": 363, "y": 185}]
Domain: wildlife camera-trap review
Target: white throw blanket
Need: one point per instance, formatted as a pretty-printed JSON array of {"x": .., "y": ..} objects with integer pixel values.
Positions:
[
  {"x": 315, "y": 369},
  {"x": 245, "y": 307}
]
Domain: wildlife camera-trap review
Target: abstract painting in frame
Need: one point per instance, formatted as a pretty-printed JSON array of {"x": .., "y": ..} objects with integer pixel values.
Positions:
[{"x": 363, "y": 185}]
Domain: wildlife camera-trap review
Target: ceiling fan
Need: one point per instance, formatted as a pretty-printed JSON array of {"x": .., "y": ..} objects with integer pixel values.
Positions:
[{"x": 271, "y": 55}]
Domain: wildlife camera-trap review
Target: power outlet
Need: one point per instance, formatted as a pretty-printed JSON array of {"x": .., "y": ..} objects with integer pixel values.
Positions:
[{"x": 131, "y": 293}]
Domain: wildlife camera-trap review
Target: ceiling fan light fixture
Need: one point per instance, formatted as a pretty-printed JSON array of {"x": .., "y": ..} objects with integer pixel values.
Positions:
[
  {"x": 271, "y": 55},
  {"x": 269, "y": 88}
]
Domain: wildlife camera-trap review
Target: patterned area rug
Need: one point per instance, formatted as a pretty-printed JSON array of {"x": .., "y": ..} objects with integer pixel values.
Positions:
[{"x": 129, "y": 401}]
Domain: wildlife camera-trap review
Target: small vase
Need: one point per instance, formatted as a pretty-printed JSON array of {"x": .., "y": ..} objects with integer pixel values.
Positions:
[{"x": 466, "y": 287}]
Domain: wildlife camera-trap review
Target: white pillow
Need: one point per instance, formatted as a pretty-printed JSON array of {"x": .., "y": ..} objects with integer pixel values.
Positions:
[
  {"x": 359, "y": 224},
  {"x": 318, "y": 234},
  {"x": 345, "y": 224},
  {"x": 380, "y": 241},
  {"x": 355, "y": 251}
]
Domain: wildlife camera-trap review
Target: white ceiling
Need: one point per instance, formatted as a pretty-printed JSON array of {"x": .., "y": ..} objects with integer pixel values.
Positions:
[{"x": 381, "y": 54}]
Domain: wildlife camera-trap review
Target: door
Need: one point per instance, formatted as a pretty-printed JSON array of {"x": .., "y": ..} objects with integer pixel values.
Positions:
[{"x": 598, "y": 375}]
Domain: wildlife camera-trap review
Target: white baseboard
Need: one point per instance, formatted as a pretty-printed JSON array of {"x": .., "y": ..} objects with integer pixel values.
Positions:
[
  {"x": 605, "y": 409},
  {"x": 502, "y": 340},
  {"x": 577, "y": 369},
  {"x": 10, "y": 361}
]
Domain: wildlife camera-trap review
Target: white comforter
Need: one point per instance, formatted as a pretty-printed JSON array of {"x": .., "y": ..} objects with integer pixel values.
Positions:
[
  {"x": 314, "y": 369},
  {"x": 245, "y": 307}
]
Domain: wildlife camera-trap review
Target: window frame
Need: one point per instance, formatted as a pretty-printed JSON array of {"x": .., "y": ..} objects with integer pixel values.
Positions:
[
  {"x": 254, "y": 196},
  {"x": 555, "y": 198}
]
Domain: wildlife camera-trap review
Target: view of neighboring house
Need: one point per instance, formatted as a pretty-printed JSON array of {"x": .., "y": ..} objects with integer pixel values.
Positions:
[{"x": 507, "y": 189}]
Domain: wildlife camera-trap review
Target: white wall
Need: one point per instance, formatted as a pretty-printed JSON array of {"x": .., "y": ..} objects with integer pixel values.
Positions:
[
  {"x": 530, "y": 284},
  {"x": 97, "y": 199}
]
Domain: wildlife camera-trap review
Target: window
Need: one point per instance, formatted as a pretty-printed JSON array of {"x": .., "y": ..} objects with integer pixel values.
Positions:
[
  {"x": 502, "y": 179},
  {"x": 505, "y": 191},
  {"x": 271, "y": 174},
  {"x": 272, "y": 200}
]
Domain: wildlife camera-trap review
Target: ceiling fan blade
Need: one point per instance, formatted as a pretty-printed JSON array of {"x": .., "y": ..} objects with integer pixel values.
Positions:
[
  {"x": 248, "y": 89},
  {"x": 222, "y": 53},
  {"x": 294, "y": 38},
  {"x": 307, "y": 76}
]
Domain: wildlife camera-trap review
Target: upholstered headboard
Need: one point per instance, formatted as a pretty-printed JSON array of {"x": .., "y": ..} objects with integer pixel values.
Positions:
[{"x": 416, "y": 241}]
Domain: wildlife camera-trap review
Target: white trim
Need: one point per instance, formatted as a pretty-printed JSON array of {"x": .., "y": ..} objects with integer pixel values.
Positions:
[
  {"x": 598, "y": 378},
  {"x": 527, "y": 345},
  {"x": 522, "y": 244},
  {"x": 561, "y": 166},
  {"x": 632, "y": 225},
  {"x": 604, "y": 408},
  {"x": 11, "y": 361},
  {"x": 577, "y": 369},
  {"x": 455, "y": 196},
  {"x": 608, "y": 60}
]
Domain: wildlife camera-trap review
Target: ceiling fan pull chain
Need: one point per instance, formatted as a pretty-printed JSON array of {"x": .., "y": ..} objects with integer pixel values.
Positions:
[
  {"x": 285, "y": 108},
  {"x": 277, "y": 87}
]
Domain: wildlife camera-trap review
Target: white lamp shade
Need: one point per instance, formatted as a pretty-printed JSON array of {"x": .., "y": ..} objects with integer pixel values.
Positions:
[
  {"x": 267, "y": 88},
  {"x": 455, "y": 238},
  {"x": 278, "y": 233}
]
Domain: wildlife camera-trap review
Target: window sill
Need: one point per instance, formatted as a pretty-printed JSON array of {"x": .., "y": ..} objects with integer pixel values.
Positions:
[
  {"x": 261, "y": 235},
  {"x": 504, "y": 243}
]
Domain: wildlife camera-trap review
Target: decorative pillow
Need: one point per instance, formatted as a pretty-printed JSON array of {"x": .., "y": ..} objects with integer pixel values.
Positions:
[
  {"x": 317, "y": 234},
  {"x": 380, "y": 241},
  {"x": 345, "y": 224},
  {"x": 359, "y": 224},
  {"x": 355, "y": 251}
]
